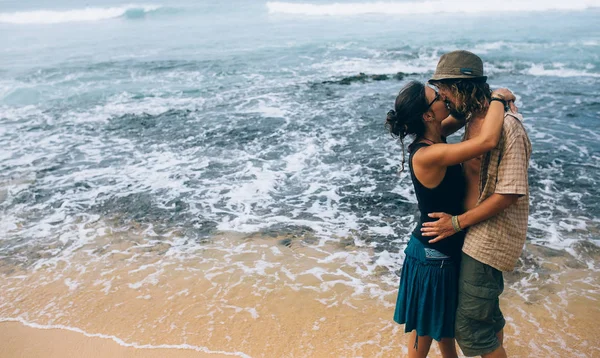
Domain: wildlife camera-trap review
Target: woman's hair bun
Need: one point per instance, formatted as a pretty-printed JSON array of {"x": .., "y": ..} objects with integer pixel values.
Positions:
[
  {"x": 407, "y": 116},
  {"x": 391, "y": 122},
  {"x": 391, "y": 115}
]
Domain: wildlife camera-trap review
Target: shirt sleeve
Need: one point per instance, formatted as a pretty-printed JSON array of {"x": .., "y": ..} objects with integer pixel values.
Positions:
[{"x": 512, "y": 170}]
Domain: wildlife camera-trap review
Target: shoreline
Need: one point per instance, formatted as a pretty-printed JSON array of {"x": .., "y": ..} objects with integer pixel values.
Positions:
[
  {"x": 253, "y": 297},
  {"x": 22, "y": 340},
  {"x": 25, "y": 340}
]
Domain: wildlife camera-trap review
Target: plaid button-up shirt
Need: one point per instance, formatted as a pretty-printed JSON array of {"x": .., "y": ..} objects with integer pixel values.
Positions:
[{"x": 499, "y": 240}]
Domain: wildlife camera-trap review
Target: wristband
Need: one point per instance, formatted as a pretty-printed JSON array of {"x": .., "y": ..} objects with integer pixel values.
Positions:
[{"x": 501, "y": 100}]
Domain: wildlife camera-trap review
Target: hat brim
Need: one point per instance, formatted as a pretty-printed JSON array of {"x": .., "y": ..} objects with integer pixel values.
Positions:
[{"x": 457, "y": 77}]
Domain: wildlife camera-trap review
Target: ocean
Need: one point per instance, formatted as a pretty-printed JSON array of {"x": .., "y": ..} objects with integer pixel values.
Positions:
[{"x": 150, "y": 143}]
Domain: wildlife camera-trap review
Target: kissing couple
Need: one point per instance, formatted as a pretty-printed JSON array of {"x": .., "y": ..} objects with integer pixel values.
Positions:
[{"x": 473, "y": 200}]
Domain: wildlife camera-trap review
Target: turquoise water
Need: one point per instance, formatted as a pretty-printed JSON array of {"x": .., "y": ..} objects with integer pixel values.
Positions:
[{"x": 207, "y": 117}]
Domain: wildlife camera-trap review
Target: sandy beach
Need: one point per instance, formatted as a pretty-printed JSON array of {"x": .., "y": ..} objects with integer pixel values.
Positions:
[
  {"x": 261, "y": 300},
  {"x": 19, "y": 340}
]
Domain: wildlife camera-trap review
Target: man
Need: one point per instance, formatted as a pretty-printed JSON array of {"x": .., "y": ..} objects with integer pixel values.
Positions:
[{"x": 497, "y": 201}]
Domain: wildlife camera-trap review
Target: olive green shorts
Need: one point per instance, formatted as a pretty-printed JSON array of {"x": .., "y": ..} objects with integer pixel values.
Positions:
[{"x": 478, "y": 316}]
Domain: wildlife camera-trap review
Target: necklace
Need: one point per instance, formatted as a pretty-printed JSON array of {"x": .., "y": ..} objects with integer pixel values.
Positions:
[{"x": 429, "y": 140}]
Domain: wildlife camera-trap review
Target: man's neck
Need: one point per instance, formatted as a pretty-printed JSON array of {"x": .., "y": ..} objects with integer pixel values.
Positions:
[
  {"x": 475, "y": 120},
  {"x": 480, "y": 115}
]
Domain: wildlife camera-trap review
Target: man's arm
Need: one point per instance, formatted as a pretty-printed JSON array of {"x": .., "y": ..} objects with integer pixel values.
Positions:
[
  {"x": 490, "y": 207},
  {"x": 511, "y": 184}
]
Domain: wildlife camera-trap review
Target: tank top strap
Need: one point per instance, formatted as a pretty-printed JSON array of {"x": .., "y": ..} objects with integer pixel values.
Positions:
[{"x": 413, "y": 149}]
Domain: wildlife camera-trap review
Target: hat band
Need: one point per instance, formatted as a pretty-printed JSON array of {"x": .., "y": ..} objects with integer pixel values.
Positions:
[{"x": 462, "y": 71}]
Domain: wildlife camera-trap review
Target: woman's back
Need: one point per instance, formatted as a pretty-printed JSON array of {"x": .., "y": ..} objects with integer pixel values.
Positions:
[{"x": 446, "y": 197}]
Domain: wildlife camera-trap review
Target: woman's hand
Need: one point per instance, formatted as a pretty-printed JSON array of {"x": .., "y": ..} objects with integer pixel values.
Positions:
[
  {"x": 508, "y": 96},
  {"x": 441, "y": 228}
]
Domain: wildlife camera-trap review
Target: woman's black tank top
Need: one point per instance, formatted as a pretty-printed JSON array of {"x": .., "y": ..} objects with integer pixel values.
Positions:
[{"x": 447, "y": 197}]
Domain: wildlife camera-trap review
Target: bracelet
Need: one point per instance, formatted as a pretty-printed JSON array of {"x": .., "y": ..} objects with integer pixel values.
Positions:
[
  {"x": 501, "y": 100},
  {"x": 456, "y": 224}
]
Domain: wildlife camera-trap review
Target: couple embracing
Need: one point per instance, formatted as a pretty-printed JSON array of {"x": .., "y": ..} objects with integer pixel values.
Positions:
[{"x": 473, "y": 198}]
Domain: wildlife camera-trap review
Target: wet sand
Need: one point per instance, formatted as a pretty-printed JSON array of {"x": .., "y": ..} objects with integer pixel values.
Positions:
[
  {"x": 260, "y": 299},
  {"x": 523, "y": 339},
  {"x": 19, "y": 341}
]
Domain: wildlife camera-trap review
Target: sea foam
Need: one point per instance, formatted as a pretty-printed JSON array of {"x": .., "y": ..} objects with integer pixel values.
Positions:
[
  {"x": 424, "y": 7},
  {"x": 76, "y": 15}
]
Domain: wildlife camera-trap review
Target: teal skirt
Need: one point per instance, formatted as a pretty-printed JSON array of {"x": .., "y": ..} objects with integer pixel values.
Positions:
[{"x": 428, "y": 293}]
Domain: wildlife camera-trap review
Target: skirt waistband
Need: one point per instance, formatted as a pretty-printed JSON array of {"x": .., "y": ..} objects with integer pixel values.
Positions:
[{"x": 418, "y": 251}]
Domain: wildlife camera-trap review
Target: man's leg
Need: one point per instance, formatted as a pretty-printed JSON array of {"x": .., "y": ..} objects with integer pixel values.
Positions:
[
  {"x": 500, "y": 336},
  {"x": 498, "y": 353},
  {"x": 499, "y": 320},
  {"x": 478, "y": 317}
]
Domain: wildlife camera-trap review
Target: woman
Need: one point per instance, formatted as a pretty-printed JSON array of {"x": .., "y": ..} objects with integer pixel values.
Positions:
[{"x": 427, "y": 296}]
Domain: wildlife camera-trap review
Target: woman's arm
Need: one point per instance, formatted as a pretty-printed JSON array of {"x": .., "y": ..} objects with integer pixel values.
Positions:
[
  {"x": 452, "y": 124},
  {"x": 444, "y": 155}
]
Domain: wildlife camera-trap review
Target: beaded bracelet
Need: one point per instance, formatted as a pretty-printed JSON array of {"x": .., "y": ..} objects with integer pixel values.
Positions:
[{"x": 456, "y": 224}]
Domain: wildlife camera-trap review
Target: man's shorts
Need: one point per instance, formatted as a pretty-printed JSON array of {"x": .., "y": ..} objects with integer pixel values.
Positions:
[{"x": 478, "y": 317}]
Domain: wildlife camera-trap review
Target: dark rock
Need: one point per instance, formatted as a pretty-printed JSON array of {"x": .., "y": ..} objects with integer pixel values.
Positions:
[
  {"x": 82, "y": 185},
  {"x": 380, "y": 77},
  {"x": 285, "y": 242},
  {"x": 361, "y": 77}
]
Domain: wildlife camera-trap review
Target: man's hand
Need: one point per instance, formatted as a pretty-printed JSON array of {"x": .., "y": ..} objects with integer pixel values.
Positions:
[{"x": 441, "y": 228}]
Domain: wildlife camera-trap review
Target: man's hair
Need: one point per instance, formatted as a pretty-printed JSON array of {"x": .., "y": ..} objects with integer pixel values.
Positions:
[{"x": 472, "y": 96}]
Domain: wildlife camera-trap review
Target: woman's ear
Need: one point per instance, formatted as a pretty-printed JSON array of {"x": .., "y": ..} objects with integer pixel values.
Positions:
[{"x": 429, "y": 116}]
